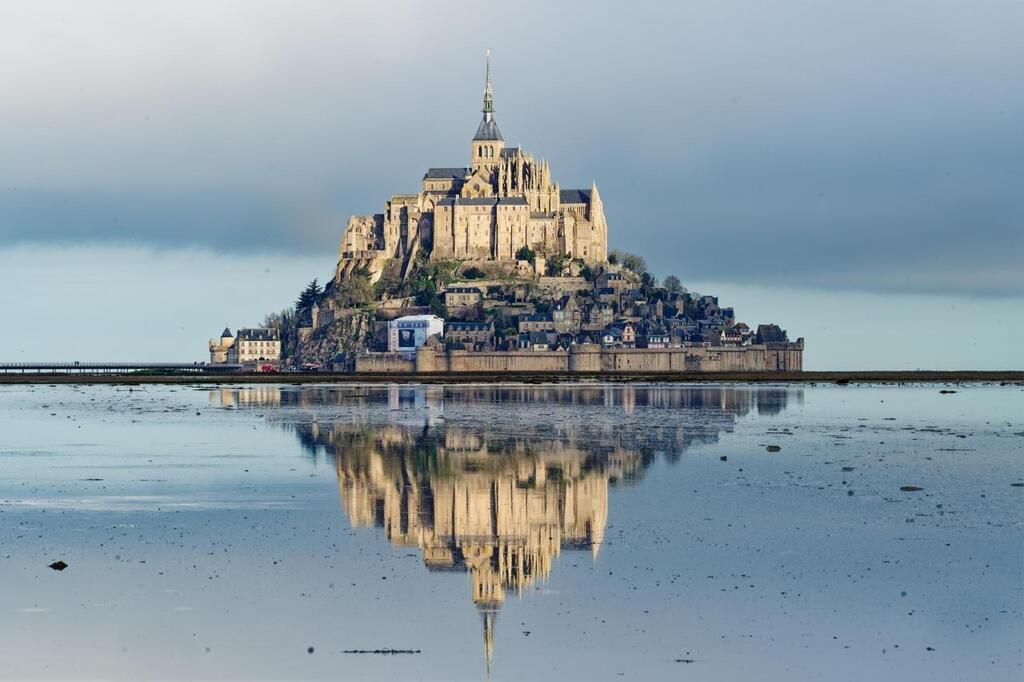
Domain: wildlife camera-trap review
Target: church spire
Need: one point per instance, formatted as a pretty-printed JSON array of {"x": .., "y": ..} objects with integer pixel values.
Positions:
[
  {"x": 487, "y": 131},
  {"x": 488, "y": 93}
]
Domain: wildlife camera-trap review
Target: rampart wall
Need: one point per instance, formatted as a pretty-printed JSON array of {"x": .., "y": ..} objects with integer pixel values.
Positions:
[{"x": 588, "y": 358}]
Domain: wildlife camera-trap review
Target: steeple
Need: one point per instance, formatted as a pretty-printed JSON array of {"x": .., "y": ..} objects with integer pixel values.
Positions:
[
  {"x": 488, "y": 93},
  {"x": 488, "y": 131}
]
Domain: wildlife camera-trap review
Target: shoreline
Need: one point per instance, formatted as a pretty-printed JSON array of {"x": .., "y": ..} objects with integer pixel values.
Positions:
[{"x": 848, "y": 377}]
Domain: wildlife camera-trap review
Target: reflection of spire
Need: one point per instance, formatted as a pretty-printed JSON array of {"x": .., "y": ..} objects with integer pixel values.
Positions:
[{"x": 488, "y": 612}]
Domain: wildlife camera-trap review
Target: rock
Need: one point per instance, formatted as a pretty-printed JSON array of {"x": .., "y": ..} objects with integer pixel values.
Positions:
[
  {"x": 58, "y": 565},
  {"x": 773, "y": 448},
  {"x": 946, "y": 390},
  {"x": 847, "y": 468},
  {"x": 910, "y": 488},
  {"x": 1017, "y": 485},
  {"x": 724, "y": 458}
]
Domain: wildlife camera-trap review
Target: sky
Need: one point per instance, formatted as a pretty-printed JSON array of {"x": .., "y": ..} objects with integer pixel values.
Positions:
[{"x": 868, "y": 150}]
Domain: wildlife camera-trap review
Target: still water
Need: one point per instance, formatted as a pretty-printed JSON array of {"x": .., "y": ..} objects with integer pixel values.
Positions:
[{"x": 513, "y": 531}]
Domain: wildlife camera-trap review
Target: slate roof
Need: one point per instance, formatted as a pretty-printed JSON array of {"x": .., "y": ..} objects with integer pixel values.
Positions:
[
  {"x": 469, "y": 326},
  {"x": 488, "y": 130},
  {"x": 476, "y": 201},
  {"x": 226, "y": 332},
  {"x": 445, "y": 173},
  {"x": 770, "y": 333},
  {"x": 574, "y": 196},
  {"x": 258, "y": 335}
]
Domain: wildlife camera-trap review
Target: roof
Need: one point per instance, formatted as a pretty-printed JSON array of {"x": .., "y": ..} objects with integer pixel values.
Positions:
[
  {"x": 469, "y": 326},
  {"x": 514, "y": 201},
  {"x": 488, "y": 130},
  {"x": 476, "y": 201},
  {"x": 770, "y": 333},
  {"x": 226, "y": 332},
  {"x": 445, "y": 173},
  {"x": 509, "y": 151},
  {"x": 417, "y": 318},
  {"x": 536, "y": 317},
  {"x": 258, "y": 334},
  {"x": 574, "y": 196},
  {"x": 462, "y": 290}
]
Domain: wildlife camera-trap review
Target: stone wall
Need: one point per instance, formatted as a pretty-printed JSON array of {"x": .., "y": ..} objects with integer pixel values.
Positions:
[
  {"x": 385, "y": 363},
  {"x": 588, "y": 358}
]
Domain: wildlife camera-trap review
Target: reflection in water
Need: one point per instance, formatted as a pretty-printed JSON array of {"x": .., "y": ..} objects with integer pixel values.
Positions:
[{"x": 497, "y": 480}]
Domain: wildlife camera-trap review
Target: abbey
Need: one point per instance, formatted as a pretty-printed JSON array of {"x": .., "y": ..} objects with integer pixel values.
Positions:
[{"x": 504, "y": 200}]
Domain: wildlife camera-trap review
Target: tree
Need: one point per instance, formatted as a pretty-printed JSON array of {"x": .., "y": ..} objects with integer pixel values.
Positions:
[
  {"x": 634, "y": 262},
  {"x": 526, "y": 253},
  {"x": 673, "y": 285},
  {"x": 308, "y": 297},
  {"x": 473, "y": 272},
  {"x": 648, "y": 283},
  {"x": 354, "y": 292},
  {"x": 556, "y": 264},
  {"x": 613, "y": 258}
]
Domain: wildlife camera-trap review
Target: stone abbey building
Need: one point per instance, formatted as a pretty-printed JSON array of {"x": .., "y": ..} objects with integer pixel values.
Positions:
[{"x": 504, "y": 200}]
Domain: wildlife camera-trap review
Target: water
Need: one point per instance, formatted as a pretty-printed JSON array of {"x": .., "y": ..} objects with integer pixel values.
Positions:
[{"x": 521, "y": 532}]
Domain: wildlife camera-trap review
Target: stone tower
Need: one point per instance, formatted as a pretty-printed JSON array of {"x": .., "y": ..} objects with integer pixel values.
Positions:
[{"x": 488, "y": 142}]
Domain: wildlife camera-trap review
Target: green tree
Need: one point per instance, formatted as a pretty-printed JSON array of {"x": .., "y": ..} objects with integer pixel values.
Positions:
[
  {"x": 648, "y": 283},
  {"x": 556, "y": 264},
  {"x": 613, "y": 258},
  {"x": 526, "y": 253},
  {"x": 310, "y": 295},
  {"x": 354, "y": 291}
]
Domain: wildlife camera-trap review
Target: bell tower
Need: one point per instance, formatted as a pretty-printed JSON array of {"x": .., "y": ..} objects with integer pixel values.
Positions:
[{"x": 488, "y": 142}]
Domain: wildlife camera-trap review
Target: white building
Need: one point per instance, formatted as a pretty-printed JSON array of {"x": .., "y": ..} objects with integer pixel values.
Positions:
[{"x": 406, "y": 334}]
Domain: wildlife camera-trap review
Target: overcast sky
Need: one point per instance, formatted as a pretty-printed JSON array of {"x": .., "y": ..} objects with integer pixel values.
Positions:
[{"x": 841, "y": 145}]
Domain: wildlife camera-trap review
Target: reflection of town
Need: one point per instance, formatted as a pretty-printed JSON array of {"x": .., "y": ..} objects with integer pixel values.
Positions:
[{"x": 496, "y": 480}]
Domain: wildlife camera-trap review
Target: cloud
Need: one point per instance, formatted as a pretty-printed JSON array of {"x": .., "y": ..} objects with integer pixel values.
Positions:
[{"x": 845, "y": 145}]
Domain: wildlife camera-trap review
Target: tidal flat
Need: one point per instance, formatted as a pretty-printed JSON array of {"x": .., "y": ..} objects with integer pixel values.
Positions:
[{"x": 516, "y": 531}]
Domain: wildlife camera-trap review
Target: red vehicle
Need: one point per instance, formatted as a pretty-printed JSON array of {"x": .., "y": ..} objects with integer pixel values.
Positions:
[{"x": 268, "y": 368}]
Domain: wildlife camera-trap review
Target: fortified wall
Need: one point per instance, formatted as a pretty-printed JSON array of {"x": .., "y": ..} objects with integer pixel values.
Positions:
[{"x": 591, "y": 359}]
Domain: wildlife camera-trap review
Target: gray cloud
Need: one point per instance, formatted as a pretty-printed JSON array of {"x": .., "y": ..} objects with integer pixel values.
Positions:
[{"x": 849, "y": 145}]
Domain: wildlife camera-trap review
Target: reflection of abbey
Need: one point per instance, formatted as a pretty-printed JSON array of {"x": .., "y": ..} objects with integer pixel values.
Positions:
[
  {"x": 498, "y": 503},
  {"x": 504, "y": 200}
]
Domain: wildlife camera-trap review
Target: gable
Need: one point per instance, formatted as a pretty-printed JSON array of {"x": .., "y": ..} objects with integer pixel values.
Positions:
[{"x": 478, "y": 185}]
